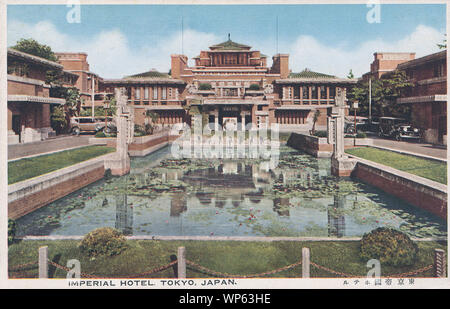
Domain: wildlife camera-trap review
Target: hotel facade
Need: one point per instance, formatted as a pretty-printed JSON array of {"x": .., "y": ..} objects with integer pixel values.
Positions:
[{"x": 229, "y": 83}]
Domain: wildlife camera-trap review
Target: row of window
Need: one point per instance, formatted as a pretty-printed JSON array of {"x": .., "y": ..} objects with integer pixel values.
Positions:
[
  {"x": 309, "y": 92},
  {"x": 165, "y": 92}
]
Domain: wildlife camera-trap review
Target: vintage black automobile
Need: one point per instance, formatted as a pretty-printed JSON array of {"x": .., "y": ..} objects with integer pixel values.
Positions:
[{"x": 399, "y": 129}]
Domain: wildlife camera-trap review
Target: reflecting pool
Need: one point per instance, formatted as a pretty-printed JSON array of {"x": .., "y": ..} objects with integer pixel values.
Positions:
[{"x": 225, "y": 197}]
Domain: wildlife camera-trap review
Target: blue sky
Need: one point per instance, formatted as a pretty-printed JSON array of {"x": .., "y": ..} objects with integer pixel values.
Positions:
[{"x": 328, "y": 38}]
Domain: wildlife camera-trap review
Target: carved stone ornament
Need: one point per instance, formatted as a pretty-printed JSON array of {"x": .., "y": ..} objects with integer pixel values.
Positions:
[
  {"x": 268, "y": 89},
  {"x": 192, "y": 89}
]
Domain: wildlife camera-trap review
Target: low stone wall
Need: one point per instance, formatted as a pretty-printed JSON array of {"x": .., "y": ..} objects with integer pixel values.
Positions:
[
  {"x": 319, "y": 146},
  {"x": 31, "y": 194},
  {"x": 313, "y": 145},
  {"x": 420, "y": 192},
  {"x": 142, "y": 145}
]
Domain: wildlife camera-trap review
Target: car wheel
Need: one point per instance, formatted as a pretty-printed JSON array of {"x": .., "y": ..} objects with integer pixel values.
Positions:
[{"x": 76, "y": 131}]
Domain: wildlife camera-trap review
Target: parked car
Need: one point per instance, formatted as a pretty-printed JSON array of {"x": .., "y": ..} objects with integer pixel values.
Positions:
[
  {"x": 361, "y": 125},
  {"x": 111, "y": 125},
  {"x": 398, "y": 128},
  {"x": 374, "y": 124},
  {"x": 89, "y": 124}
]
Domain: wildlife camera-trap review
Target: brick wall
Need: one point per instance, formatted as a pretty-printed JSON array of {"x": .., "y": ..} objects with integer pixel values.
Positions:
[
  {"x": 414, "y": 193},
  {"x": 36, "y": 200}
]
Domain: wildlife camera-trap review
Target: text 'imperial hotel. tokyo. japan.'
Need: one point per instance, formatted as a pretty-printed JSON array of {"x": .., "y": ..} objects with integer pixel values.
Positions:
[{"x": 229, "y": 84}]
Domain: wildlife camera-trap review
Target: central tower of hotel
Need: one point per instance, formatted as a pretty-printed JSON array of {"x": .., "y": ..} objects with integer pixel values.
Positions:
[{"x": 231, "y": 84}]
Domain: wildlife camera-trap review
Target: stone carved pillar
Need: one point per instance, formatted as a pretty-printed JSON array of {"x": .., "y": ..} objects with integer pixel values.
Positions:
[
  {"x": 341, "y": 164},
  {"x": 119, "y": 162}
]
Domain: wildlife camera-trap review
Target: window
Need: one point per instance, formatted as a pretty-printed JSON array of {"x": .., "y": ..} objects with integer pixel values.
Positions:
[
  {"x": 146, "y": 93},
  {"x": 164, "y": 93},
  {"x": 155, "y": 93},
  {"x": 260, "y": 107},
  {"x": 323, "y": 92},
  {"x": 439, "y": 70},
  {"x": 137, "y": 94},
  {"x": 314, "y": 92},
  {"x": 296, "y": 92},
  {"x": 305, "y": 91},
  {"x": 332, "y": 92}
]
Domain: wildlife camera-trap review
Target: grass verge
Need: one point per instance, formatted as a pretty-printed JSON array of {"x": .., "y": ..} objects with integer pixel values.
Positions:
[
  {"x": 26, "y": 168},
  {"x": 231, "y": 257},
  {"x": 430, "y": 169}
]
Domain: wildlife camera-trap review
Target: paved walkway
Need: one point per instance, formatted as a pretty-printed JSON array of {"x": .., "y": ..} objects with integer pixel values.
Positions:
[
  {"x": 50, "y": 145},
  {"x": 414, "y": 147}
]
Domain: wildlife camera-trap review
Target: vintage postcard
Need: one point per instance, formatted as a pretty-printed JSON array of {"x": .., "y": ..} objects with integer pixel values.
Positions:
[{"x": 239, "y": 145}]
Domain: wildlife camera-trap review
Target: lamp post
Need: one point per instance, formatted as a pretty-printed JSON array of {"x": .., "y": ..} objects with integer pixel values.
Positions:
[
  {"x": 106, "y": 106},
  {"x": 355, "y": 106},
  {"x": 92, "y": 92}
]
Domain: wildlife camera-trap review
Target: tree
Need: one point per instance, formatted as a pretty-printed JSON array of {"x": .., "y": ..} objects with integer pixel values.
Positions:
[
  {"x": 150, "y": 126},
  {"x": 315, "y": 118},
  {"x": 443, "y": 45},
  {"x": 72, "y": 97},
  {"x": 58, "y": 119},
  {"x": 32, "y": 47},
  {"x": 350, "y": 74},
  {"x": 385, "y": 92}
]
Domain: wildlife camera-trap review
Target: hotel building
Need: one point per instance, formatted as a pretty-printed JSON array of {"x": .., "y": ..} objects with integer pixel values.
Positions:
[
  {"x": 29, "y": 98},
  {"x": 229, "y": 83},
  {"x": 428, "y": 94}
]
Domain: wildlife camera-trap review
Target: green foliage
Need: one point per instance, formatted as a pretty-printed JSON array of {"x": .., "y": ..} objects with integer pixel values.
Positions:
[
  {"x": 100, "y": 134},
  {"x": 104, "y": 241},
  {"x": 12, "y": 227},
  {"x": 361, "y": 135},
  {"x": 321, "y": 133},
  {"x": 389, "y": 246},
  {"x": 385, "y": 92},
  {"x": 350, "y": 74},
  {"x": 58, "y": 119},
  {"x": 254, "y": 87},
  {"x": 71, "y": 95},
  {"x": 204, "y": 86},
  {"x": 232, "y": 257},
  {"x": 315, "y": 118},
  {"x": 33, "y": 47},
  {"x": 139, "y": 130}
]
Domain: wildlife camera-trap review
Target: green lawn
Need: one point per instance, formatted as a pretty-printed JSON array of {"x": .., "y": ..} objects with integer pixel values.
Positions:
[
  {"x": 434, "y": 170},
  {"x": 31, "y": 167},
  {"x": 232, "y": 257}
]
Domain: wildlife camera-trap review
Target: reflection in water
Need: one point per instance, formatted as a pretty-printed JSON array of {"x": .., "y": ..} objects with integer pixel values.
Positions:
[
  {"x": 229, "y": 198},
  {"x": 124, "y": 215},
  {"x": 178, "y": 204},
  {"x": 336, "y": 218},
  {"x": 281, "y": 206}
]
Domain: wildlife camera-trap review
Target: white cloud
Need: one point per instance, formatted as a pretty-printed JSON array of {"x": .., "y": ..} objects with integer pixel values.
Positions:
[
  {"x": 308, "y": 52},
  {"x": 110, "y": 54}
]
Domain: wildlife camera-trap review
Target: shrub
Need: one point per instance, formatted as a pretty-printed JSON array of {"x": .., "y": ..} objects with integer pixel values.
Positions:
[
  {"x": 321, "y": 133},
  {"x": 389, "y": 246},
  {"x": 139, "y": 130},
  {"x": 104, "y": 241},
  {"x": 254, "y": 87},
  {"x": 12, "y": 227},
  {"x": 100, "y": 134},
  {"x": 204, "y": 86},
  {"x": 361, "y": 135}
]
